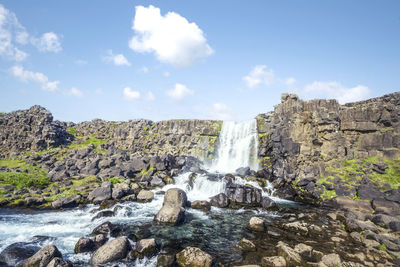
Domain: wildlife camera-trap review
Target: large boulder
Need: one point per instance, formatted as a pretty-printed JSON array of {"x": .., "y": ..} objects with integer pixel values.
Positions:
[
  {"x": 42, "y": 257},
  {"x": 114, "y": 250},
  {"x": 244, "y": 195},
  {"x": 201, "y": 205},
  {"x": 291, "y": 257},
  {"x": 193, "y": 257},
  {"x": 173, "y": 209},
  {"x": 15, "y": 253}
]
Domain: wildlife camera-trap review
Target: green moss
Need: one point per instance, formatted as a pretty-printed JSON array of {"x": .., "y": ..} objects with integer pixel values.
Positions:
[
  {"x": 382, "y": 247},
  {"x": 86, "y": 181},
  {"x": 66, "y": 192},
  {"x": 91, "y": 140},
  {"x": 12, "y": 164},
  {"x": 328, "y": 194},
  {"x": 145, "y": 172},
  {"x": 387, "y": 129},
  {"x": 71, "y": 130},
  {"x": 21, "y": 180},
  {"x": 116, "y": 180}
]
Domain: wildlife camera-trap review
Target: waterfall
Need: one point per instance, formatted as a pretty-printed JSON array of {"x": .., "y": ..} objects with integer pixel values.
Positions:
[{"x": 237, "y": 147}]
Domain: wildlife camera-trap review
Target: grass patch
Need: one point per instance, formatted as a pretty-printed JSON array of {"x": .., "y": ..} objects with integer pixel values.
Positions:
[
  {"x": 71, "y": 130},
  {"x": 86, "y": 181},
  {"x": 12, "y": 164},
  {"x": 91, "y": 140},
  {"x": 116, "y": 180},
  {"x": 145, "y": 172},
  {"x": 328, "y": 194},
  {"x": 21, "y": 180},
  {"x": 66, "y": 193},
  {"x": 382, "y": 247}
]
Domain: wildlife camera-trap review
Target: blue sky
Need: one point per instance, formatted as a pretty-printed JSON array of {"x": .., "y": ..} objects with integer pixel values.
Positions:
[{"x": 121, "y": 60}]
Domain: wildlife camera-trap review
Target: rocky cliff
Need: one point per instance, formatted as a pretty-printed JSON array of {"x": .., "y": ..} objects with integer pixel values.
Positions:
[{"x": 326, "y": 149}]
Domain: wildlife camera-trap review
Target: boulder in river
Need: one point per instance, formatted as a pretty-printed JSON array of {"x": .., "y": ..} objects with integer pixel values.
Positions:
[
  {"x": 102, "y": 193},
  {"x": 201, "y": 205},
  {"x": 42, "y": 257},
  {"x": 145, "y": 196},
  {"x": 16, "y": 252},
  {"x": 220, "y": 201},
  {"x": 59, "y": 262},
  {"x": 145, "y": 248},
  {"x": 193, "y": 257},
  {"x": 173, "y": 209},
  {"x": 114, "y": 250},
  {"x": 84, "y": 244},
  {"x": 256, "y": 224}
]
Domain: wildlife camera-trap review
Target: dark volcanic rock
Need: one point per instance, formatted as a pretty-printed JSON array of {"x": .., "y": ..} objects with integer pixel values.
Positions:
[
  {"x": 220, "y": 201},
  {"x": 244, "y": 195},
  {"x": 16, "y": 253}
]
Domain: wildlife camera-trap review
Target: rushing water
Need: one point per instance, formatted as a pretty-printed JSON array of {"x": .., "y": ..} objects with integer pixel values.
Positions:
[
  {"x": 214, "y": 231},
  {"x": 237, "y": 148}
]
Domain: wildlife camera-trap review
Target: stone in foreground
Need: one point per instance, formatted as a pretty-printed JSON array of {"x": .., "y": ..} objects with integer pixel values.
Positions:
[
  {"x": 42, "y": 257},
  {"x": 114, "y": 250},
  {"x": 193, "y": 257},
  {"x": 256, "y": 224},
  {"x": 276, "y": 261},
  {"x": 173, "y": 209}
]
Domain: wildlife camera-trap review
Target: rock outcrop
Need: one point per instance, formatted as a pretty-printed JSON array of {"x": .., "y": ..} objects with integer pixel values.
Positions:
[{"x": 173, "y": 209}]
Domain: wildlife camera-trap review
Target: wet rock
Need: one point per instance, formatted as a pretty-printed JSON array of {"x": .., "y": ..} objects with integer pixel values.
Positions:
[
  {"x": 256, "y": 224},
  {"x": 268, "y": 203},
  {"x": 114, "y": 250},
  {"x": 246, "y": 245},
  {"x": 220, "y": 201},
  {"x": 145, "y": 196},
  {"x": 201, "y": 205},
  {"x": 42, "y": 257},
  {"x": 59, "y": 262},
  {"x": 292, "y": 258},
  {"x": 67, "y": 202},
  {"x": 157, "y": 181},
  {"x": 331, "y": 260},
  {"x": 105, "y": 229},
  {"x": 15, "y": 253},
  {"x": 103, "y": 213},
  {"x": 173, "y": 210},
  {"x": 145, "y": 248},
  {"x": 99, "y": 240},
  {"x": 84, "y": 244},
  {"x": 243, "y": 171},
  {"x": 243, "y": 195},
  {"x": 193, "y": 257},
  {"x": 276, "y": 261},
  {"x": 165, "y": 260}
]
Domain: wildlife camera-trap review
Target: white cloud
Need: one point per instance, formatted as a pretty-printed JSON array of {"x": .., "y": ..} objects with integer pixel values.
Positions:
[
  {"x": 337, "y": 91},
  {"x": 29, "y": 76},
  {"x": 74, "y": 92},
  {"x": 48, "y": 42},
  {"x": 166, "y": 74},
  {"x": 129, "y": 94},
  {"x": 179, "y": 92},
  {"x": 44, "y": 82},
  {"x": 11, "y": 33},
  {"x": 117, "y": 59},
  {"x": 221, "y": 111},
  {"x": 259, "y": 75},
  {"x": 172, "y": 38}
]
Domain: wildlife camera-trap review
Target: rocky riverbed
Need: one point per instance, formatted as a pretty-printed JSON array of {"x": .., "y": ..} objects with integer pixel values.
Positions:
[{"x": 322, "y": 190}]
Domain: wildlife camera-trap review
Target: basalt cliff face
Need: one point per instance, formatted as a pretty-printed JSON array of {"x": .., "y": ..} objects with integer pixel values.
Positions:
[{"x": 324, "y": 149}]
